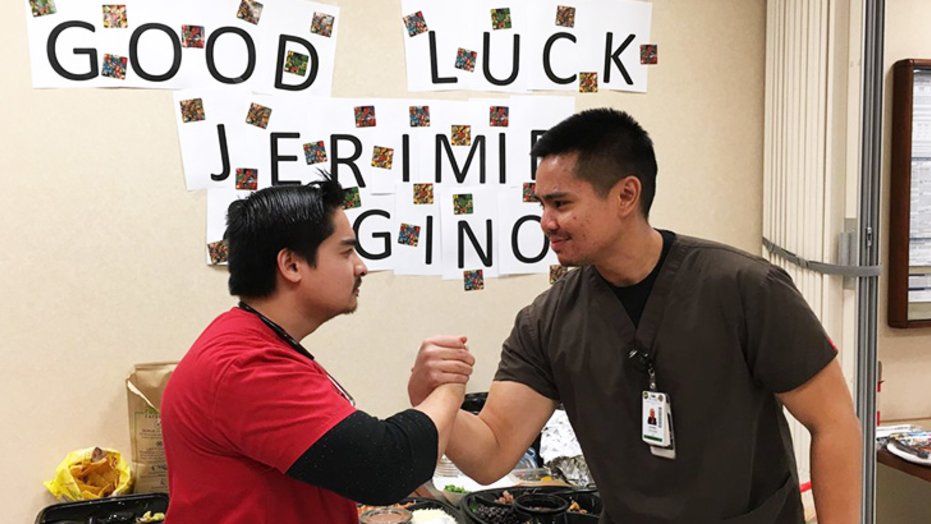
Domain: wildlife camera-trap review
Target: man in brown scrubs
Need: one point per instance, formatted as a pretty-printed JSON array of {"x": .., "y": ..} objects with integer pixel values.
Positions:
[{"x": 655, "y": 320}]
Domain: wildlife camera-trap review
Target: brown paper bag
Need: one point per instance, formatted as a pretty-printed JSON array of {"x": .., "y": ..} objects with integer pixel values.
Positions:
[{"x": 144, "y": 388}]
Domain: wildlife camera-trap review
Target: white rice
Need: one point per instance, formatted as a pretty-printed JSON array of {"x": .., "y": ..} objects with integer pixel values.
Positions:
[{"x": 431, "y": 516}]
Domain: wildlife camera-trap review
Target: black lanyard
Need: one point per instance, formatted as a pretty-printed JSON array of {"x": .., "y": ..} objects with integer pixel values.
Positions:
[
  {"x": 643, "y": 352},
  {"x": 296, "y": 346}
]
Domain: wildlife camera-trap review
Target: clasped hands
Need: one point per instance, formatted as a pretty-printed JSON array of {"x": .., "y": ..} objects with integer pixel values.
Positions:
[{"x": 440, "y": 360}]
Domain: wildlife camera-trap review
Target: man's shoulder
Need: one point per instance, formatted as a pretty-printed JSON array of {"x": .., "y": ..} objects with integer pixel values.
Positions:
[
  {"x": 229, "y": 325},
  {"x": 710, "y": 248},
  {"x": 716, "y": 258},
  {"x": 565, "y": 290},
  {"x": 232, "y": 335}
]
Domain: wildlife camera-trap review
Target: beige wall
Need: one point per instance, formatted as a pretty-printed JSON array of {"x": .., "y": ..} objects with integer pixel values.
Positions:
[
  {"x": 101, "y": 247},
  {"x": 905, "y": 353}
]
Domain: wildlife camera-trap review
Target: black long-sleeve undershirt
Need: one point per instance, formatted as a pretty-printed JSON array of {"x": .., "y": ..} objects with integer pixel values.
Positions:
[{"x": 372, "y": 461}]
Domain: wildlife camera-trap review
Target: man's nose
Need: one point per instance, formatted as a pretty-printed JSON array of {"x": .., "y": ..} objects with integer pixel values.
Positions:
[
  {"x": 547, "y": 222},
  {"x": 361, "y": 269}
]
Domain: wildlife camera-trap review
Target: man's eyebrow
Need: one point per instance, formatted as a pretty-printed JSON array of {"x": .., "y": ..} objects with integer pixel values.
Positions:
[
  {"x": 552, "y": 196},
  {"x": 349, "y": 241}
]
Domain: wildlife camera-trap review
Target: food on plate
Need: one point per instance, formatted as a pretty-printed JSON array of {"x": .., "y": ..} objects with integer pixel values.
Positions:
[
  {"x": 505, "y": 498},
  {"x": 148, "y": 516},
  {"x": 452, "y": 488}
]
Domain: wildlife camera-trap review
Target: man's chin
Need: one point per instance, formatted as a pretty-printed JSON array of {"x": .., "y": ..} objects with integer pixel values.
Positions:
[{"x": 567, "y": 261}]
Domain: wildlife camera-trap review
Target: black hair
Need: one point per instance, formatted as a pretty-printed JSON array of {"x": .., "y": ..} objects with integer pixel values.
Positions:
[
  {"x": 611, "y": 146},
  {"x": 295, "y": 217}
]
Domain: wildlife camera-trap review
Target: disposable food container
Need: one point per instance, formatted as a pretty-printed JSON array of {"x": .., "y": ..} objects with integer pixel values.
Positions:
[
  {"x": 386, "y": 516},
  {"x": 541, "y": 508}
]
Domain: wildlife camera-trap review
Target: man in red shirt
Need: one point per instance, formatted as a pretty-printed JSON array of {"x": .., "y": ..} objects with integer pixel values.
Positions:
[{"x": 255, "y": 430}]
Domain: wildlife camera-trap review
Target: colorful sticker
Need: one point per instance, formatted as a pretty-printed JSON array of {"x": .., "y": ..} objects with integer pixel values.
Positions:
[
  {"x": 473, "y": 280},
  {"x": 114, "y": 66},
  {"x": 648, "y": 54},
  {"x": 557, "y": 272},
  {"x": 114, "y": 17},
  {"x": 352, "y": 198},
  {"x": 501, "y": 18},
  {"x": 382, "y": 157},
  {"x": 423, "y": 194},
  {"x": 415, "y": 24},
  {"x": 258, "y": 115},
  {"x": 322, "y": 24},
  {"x": 315, "y": 152},
  {"x": 462, "y": 204},
  {"x": 420, "y": 116},
  {"x": 588, "y": 82},
  {"x": 530, "y": 192},
  {"x": 498, "y": 116},
  {"x": 247, "y": 178},
  {"x": 565, "y": 16},
  {"x": 365, "y": 116},
  {"x": 461, "y": 135},
  {"x": 192, "y": 36},
  {"x": 409, "y": 235},
  {"x": 219, "y": 252},
  {"x": 42, "y": 7},
  {"x": 465, "y": 59},
  {"x": 296, "y": 63},
  {"x": 250, "y": 11},
  {"x": 192, "y": 110}
]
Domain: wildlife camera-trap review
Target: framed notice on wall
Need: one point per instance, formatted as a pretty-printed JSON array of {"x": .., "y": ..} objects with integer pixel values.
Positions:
[{"x": 910, "y": 200}]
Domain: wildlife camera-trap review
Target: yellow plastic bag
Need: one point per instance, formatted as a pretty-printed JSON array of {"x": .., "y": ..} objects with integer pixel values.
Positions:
[{"x": 90, "y": 473}]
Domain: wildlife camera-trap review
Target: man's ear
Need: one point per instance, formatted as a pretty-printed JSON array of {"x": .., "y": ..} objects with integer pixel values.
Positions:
[
  {"x": 289, "y": 265},
  {"x": 627, "y": 193}
]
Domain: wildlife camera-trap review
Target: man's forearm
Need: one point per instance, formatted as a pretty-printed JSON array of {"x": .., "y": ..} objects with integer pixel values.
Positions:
[
  {"x": 836, "y": 475},
  {"x": 475, "y": 450},
  {"x": 441, "y": 406},
  {"x": 487, "y": 446}
]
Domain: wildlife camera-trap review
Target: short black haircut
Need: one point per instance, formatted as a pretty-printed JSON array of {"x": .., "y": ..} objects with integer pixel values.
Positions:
[
  {"x": 611, "y": 146},
  {"x": 295, "y": 217}
]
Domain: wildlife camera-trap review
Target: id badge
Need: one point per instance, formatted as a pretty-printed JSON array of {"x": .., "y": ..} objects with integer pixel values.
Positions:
[
  {"x": 655, "y": 430},
  {"x": 657, "y": 424}
]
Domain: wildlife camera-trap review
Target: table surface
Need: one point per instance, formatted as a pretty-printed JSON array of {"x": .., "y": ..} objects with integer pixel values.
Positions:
[{"x": 916, "y": 470}]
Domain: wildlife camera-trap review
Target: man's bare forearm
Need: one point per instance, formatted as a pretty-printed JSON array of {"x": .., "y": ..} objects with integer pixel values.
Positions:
[
  {"x": 474, "y": 448},
  {"x": 836, "y": 474}
]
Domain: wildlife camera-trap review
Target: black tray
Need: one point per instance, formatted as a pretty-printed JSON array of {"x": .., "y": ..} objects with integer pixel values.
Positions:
[
  {"x": 480, "y": 507},
  {"x": 115, "y": 510}
]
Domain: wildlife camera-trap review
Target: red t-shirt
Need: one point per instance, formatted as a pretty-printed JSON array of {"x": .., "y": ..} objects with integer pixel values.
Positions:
[{"x": 239, "y": 410}]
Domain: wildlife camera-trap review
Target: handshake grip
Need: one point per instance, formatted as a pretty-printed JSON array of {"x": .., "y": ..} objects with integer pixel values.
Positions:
[{"x": 441, "y": 360}]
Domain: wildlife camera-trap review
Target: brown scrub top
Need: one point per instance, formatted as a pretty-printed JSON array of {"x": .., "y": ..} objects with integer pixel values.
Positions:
[{"x": 727, "y": 330}]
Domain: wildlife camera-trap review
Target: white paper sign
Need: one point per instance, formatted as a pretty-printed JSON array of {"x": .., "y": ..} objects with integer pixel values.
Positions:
[
  {"x": 386, "y": 151},
  {"x": 468, "y": 215},
  {"x": 526, "y": 44},
  {"x": 173, "y": 44},
  {"x": 374, "y": 234},
  {"x": 417, "y": 223},
  {"x": 523, "y": 246}
]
